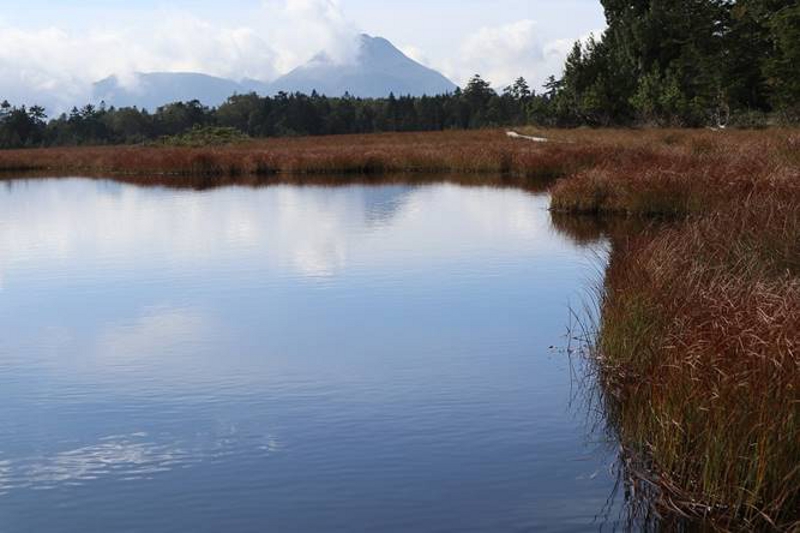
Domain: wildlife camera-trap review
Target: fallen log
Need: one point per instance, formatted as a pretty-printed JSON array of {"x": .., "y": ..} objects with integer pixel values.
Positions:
[{"x": 515, "y": 135}]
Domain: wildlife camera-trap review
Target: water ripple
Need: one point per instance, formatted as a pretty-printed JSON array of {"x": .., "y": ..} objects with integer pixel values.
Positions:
[{"x": 130, "y": 457}]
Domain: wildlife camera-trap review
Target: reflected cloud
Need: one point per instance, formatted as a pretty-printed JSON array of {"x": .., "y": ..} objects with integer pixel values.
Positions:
[
  {"x": 5, "y": 472},
  {"x": 126, "y": 458},
  {"x": 67, "y": 221},
  {"x": 176, "y": 310},
  {"x": 383, "y": 204},
  {"x": 70, "y": 224},
  {"x": 153, "y": 333},
  {"x": 517, "y": 214}
]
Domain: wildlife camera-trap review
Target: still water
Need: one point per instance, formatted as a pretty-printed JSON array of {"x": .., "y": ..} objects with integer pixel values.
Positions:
[{"x": 285, "y": 358}]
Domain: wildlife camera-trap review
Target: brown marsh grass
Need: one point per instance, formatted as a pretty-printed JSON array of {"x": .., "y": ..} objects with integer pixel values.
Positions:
[
  {"x": 462, "y": 152},
  {"x": 626, "y": 171},
  {"x": 698, "y": 346},
  {"x": 701, "y": 173},
  {"x": 698, "y": 357}
]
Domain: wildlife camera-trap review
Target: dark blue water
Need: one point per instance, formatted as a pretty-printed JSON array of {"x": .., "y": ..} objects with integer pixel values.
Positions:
[{"x": 289, "y": 359}]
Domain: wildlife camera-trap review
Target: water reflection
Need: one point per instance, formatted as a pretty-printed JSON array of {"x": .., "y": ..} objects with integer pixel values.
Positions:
[
  {"x": 395, "y": 338},
  {"x": 156, "y": 332},
  {"x": 315, "y": 230},
  {"x": 5, "y": 482},
  {"x": 127, "y": 458}
]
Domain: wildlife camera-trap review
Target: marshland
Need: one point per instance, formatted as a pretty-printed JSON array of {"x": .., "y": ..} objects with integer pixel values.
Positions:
[
  {"x": 692, "y": 353},
  {"x": 351, "y": 294}
]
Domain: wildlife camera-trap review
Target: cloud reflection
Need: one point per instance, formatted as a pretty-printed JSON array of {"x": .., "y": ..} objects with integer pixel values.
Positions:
[
  {"x": 80, "y": 227},
  {"x": 153, "y": 333},
  {"x": 126, "y": 458},
  {"x": 5, "y": 482},
  {"x": 130, "y": 457}
]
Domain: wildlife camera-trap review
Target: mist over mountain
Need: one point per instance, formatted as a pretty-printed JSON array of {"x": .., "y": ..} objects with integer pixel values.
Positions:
[
  {"x": 155, "y": 89},
  {"x": 378, "y": 69}
]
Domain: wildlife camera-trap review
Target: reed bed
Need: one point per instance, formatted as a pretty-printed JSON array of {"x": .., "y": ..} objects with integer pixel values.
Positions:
[
  {"x": 485, "y": 152},
  {"x": 629, "y": 171},
  {"x": 703, "y": 175},
  {"x": 697, "y": 352},
  {"x": 464, "y": 152},
  {"x": 698, "y": 358}
]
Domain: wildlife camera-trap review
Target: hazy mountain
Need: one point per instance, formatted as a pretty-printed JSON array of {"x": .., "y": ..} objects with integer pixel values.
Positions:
[
  {"x": 155, "y": 89},
  {"x": 378, "y": 69}
]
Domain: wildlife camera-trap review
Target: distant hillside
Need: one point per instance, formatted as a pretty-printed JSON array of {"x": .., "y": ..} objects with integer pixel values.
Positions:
[
  {"x": 379, "y": 69},
  {"x": 155, "y": 89}
]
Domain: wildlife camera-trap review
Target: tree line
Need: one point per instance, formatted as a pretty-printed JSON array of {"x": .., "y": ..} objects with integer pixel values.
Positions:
[
  {"x": 686, "y": 63},
  {"x": 477, "y": 106},
  {"x": 660, "y": 62}
]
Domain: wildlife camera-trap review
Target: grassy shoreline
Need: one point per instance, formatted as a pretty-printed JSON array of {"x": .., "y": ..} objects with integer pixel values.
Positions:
[
  {"x": 482, "y": 151},
  {"x": 698, "y": 348},
  {"x": 464, "y": 152},
  {"x": 698, "y": 359}
]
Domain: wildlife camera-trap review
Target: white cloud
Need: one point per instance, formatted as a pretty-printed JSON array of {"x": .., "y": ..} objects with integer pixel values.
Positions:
[
  {"x": 308, "y": 26},
  {"x": 559, "y": 49},
  {"x": 503, "y": 53},
  {"x": 415, "y": 53},
  {"x": 57, "y": 67}
]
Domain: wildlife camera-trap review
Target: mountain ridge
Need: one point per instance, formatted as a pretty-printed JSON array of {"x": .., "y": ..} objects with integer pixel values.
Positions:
[{"x": 378, "y": 69}]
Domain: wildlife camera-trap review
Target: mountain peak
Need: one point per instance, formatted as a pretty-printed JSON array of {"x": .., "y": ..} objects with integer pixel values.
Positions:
[
  {"x": 379, "y": 48},
  {"x": 378, "y": 69},
  {"x": 367, "y": 39}
]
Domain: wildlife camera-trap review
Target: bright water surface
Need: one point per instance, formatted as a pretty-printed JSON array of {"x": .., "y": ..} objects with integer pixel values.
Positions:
[{"x": 356, "y": 358}]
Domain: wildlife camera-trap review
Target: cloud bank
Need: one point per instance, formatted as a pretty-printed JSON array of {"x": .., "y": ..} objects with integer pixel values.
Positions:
[
  {"x": 56, "y": 67},
  {"x": 501, "y": 54}
]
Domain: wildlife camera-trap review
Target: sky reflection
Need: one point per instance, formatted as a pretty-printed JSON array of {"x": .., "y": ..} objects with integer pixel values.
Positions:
[
  {"x": 305, "y": 231},
  {"x": 308, "y": 358}
]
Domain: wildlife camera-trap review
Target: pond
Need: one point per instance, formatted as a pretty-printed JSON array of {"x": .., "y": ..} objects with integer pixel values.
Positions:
[{"x": 291, "y": 358}]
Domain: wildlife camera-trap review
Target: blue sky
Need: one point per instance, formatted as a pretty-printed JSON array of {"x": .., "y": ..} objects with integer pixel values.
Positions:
[{"x": 63, "y": 47}]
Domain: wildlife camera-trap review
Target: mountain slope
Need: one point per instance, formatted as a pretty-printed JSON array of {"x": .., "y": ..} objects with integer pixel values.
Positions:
[
  {"x": 379, "y": 69},
  {"x": 155, "y": 89}
]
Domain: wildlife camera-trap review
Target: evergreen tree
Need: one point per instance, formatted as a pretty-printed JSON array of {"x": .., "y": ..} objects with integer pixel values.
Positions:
[
  {"x": 783, "y": 67},
  {"x": 684, "y": 62}
]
